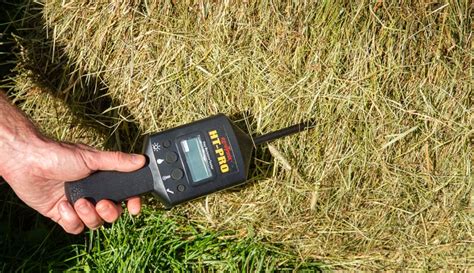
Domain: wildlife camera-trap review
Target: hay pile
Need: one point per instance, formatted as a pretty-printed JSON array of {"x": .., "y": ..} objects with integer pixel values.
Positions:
[{"x": 385, "y": 179}]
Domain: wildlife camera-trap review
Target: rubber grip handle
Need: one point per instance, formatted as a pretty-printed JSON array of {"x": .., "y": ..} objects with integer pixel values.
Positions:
[{"x": 111, "y": 185}]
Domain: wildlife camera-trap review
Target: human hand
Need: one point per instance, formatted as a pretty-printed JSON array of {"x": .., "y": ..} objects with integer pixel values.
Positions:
[
  {"x": 36, "y": 169},
  {"x": 37, "y": 176}
]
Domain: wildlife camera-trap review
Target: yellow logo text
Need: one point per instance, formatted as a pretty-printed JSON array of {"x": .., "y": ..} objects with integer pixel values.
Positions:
[{"x": 218, "y": 149}]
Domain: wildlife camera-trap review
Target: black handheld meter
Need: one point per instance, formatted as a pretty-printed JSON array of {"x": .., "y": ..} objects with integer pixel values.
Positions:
[{"x": 184, "y": 163}]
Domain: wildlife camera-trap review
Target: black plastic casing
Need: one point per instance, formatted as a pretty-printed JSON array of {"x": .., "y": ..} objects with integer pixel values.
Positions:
[
  {"x": 172, "y": 191},
  {"x": 225, "y": 149}
]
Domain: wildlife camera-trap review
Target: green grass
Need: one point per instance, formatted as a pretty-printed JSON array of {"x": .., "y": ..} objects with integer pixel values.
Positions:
[
  {"x": 385, "y": 180},
  {"x": 156, "y": 242},
  {"x": 149, "y": 242}
]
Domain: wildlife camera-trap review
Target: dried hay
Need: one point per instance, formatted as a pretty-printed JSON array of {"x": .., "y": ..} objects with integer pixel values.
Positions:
[{"x": 385, "y": 179}]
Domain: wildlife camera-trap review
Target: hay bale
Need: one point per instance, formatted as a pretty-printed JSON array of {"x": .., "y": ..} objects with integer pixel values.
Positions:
[
  {"x": 383, "y": 182},
  {"x": 41, "y": 85}
]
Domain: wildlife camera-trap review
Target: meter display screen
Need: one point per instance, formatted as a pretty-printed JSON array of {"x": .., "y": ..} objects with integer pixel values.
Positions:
[{"x": 196, "y": 158}]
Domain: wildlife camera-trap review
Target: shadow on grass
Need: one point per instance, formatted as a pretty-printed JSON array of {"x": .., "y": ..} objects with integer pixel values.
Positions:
[
  {"x": 262, "y": 164},
  {"x": 84, "y": 94}
]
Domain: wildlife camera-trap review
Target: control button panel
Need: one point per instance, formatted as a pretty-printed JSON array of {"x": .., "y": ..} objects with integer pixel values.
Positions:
[{"x": 170, "y": 166}]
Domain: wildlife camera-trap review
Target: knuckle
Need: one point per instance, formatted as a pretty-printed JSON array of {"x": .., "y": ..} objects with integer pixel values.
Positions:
[
  {"x": 111, "y": 219},
  {"x": 89, "y": 159},
  {"x": 111, "y": 216},
  {"x": 84, "y": 146},
  {"x": 118, "y": 156},
  {"x": 106, "y": 215},
  {"x": 95, "y": 225},
  {"x": 75, "y": 229}
]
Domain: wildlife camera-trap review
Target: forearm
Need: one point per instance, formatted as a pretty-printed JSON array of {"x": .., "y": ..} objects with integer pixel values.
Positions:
[{"x": 16, "y": 133}]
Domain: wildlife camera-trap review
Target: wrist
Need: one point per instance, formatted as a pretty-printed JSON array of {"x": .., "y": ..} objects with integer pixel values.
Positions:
[
  {"x": 17, "y": 136},
  {"x": 17, "y": 150}
]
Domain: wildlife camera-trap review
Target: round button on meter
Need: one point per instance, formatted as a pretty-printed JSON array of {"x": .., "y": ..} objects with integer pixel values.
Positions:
[
  {"x": 166, "y": 143},
  {"x": 181, "y": 188},
  {"x": 177, "y": 174},
  {"x": 171, "y": 157}
]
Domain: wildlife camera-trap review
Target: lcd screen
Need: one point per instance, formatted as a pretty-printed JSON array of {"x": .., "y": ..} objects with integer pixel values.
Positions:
[{"x": 195, "y": 154}]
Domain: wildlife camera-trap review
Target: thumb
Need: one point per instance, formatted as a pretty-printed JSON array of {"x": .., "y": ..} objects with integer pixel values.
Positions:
[{"x": 112, "y": 161}]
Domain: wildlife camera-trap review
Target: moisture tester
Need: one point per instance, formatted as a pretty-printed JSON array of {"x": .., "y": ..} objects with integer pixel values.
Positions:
[{"x": 183, "y": 163}]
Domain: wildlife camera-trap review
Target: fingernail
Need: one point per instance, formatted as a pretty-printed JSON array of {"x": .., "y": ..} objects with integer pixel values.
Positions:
[
  {"x": 134, "y": 211},
  {"x": 63, "y": 207},
  {"x": 84, "y": 209},
  {"x": 103, "y": 208},
  {"x": 136, "y": 158}
]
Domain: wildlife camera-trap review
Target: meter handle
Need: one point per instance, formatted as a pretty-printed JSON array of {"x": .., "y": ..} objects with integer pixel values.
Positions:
[{"x": 111, "y": 185}]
